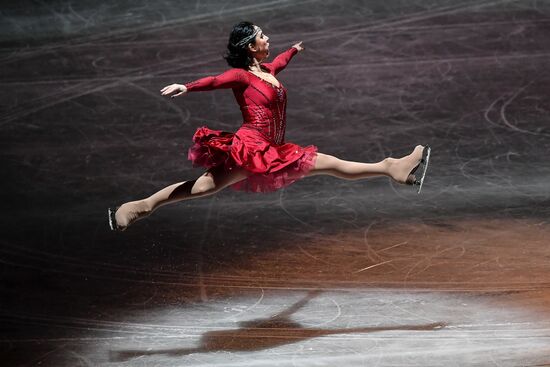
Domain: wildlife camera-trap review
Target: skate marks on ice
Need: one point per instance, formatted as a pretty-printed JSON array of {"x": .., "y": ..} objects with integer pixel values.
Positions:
[
  {"x": 383, "y": 326},
  {"x": 265, "y": 333},
  {"x": 319, "y": 296}
]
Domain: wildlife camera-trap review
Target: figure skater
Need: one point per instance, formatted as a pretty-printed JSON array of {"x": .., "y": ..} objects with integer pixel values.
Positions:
[{"x": 256, "y": 157}]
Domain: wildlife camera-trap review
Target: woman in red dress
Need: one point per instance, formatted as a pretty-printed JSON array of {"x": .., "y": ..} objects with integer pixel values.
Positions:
[{"x": 256, "y": 157}]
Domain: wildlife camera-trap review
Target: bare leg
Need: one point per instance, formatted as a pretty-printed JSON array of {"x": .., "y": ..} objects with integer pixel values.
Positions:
[
  {"x": 398, "y": 169},
  {"x": 209, "y": 183}
]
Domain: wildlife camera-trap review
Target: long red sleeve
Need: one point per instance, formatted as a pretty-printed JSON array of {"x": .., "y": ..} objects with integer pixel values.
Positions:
[
  {"x": 281, "y": 61},
  {"x": 232, "y": 78}
]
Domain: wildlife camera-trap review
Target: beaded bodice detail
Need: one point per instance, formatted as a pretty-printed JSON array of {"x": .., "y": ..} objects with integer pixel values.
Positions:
[{"x": 265, "y": 110}]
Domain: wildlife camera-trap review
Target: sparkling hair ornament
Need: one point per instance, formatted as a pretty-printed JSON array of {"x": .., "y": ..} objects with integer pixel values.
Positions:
[{"x": 245, "y": 41}]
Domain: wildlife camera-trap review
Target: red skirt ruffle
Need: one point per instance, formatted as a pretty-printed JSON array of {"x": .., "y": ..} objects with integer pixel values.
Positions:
[{"x": 270, "y": 166}]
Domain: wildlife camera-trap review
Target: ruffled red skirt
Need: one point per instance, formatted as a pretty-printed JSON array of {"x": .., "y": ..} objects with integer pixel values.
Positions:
[{"x": 270, "y": 166}]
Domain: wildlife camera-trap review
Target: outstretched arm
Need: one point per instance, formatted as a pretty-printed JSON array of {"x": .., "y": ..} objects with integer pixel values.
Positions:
[
  {"x": 281, "y": 61},
  {"x": 233, "y": 78}
]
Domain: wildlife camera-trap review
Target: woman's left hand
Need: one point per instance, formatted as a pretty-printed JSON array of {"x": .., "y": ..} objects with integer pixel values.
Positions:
[{"x": 299, "y": 46}]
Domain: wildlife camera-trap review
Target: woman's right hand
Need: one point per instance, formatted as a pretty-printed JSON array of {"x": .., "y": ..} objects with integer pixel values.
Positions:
[
  {"x": 173, "y": 90},
  {"x": 299, "y": 46}
]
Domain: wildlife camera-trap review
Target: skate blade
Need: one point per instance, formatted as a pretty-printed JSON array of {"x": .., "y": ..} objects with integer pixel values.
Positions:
[
  {"x": 112, "y": 220},
  {"x": 424, "y": 167}
]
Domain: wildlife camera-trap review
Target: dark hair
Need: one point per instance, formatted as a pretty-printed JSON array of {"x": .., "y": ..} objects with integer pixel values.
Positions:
[{"x": 237, "y": 56}]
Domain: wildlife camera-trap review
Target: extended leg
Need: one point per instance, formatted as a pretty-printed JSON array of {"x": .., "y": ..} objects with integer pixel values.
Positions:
[
  {"x": 400, "y": 170},
  {"x": 209, "y": 183}
]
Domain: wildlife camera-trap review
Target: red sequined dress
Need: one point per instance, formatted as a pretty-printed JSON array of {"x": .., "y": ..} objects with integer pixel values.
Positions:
[{"x": 259, "y": 144}]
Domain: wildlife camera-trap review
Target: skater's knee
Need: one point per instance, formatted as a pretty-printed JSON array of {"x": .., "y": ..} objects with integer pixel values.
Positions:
[{"x": 203, "y": 185}]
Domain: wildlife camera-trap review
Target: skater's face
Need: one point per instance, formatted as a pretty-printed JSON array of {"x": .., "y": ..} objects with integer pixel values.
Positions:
[{"x": 260, "y": 50}]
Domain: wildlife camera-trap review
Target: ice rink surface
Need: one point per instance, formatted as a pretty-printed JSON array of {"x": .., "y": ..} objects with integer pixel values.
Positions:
[{"x": 324, "y": 273}]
